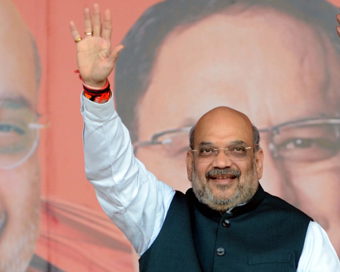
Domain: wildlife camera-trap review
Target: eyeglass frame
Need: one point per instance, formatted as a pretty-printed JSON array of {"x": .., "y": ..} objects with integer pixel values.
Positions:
[
  {"x": 37, "y": 126},
  {"x": 273, "y": 129},
  {"x": 296, "y": 123},
  {"x": 226, "y": 152}
]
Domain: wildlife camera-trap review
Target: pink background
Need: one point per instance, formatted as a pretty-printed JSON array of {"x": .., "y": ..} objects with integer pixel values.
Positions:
[{"x": 60, "y": 151}]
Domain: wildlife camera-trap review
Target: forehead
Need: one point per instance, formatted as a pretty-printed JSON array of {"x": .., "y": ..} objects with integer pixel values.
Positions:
[
  {"x": 261, "y": 65},
  {"x": 17, "y": 76},
  {"x": 223, "y": 126}
]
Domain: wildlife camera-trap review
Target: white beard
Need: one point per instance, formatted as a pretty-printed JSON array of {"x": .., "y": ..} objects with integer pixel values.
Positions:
[{"x": 244, "y": 192}]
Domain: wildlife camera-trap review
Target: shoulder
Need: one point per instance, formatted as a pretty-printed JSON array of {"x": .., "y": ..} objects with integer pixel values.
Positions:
[
  {"x": 280, "y": 205},
  {"x": 179, "y": 201}
]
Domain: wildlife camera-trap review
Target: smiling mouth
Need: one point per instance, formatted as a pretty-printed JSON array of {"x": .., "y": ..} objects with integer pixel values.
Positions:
[
  {"x": 3, "y": 222},
  {"x": 223, "y": 177},
  {"x": 223, "y": 174}
]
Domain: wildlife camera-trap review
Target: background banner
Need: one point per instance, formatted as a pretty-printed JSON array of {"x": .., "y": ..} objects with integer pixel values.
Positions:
[{"x": 276, "y": 61}]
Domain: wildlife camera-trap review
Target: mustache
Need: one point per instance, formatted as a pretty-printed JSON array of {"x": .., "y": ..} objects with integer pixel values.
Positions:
[{"x": 224, "y": 171}]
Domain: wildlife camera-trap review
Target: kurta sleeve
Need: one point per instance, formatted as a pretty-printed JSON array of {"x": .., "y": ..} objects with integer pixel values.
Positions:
[
  {"x": 130, "y": 195},
  {"x": 318, "y": 254}
]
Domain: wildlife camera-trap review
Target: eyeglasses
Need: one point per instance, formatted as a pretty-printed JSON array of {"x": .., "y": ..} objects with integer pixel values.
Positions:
[
  {"x": 233, "y": 152},
  {"x": 19, "y": 133},
  {"x": 306, "y": 140},
  {"x": 172, "y": 141}
]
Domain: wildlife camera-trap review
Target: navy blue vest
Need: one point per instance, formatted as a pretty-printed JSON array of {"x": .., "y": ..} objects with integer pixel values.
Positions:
[{"x": 266, "y": 234}]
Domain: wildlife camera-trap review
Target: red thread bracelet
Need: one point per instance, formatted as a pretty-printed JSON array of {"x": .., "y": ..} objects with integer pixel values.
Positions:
[{"x": 98, "y": 95}]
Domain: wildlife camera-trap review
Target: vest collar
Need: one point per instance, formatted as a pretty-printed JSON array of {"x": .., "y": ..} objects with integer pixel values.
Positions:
[{"x": 252, "y": 204}]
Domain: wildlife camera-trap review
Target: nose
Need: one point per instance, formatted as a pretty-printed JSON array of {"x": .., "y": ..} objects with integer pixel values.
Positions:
[
  {"x": 222, "y": 160},
  {"x": 276, "y": 180}
]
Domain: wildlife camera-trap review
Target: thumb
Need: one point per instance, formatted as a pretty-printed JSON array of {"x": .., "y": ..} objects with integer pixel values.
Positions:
[{"x": 115, "y": 52}]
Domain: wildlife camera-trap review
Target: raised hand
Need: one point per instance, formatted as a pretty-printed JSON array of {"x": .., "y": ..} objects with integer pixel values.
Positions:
[{"x": 95, "y": 58}]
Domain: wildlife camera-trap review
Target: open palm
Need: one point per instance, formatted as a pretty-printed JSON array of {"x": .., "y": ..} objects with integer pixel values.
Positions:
[{"x": 95, "y": 58}]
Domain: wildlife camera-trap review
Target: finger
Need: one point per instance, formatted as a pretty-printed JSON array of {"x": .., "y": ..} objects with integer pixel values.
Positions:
[
  {"x": 74, "y": 32},
  {"x": 115, "y": 52},
  {"x": 96, "y": 25},
  {"x": 338, "y": 30},
  {"x": 87, "y": 22},
  {"x": 107, "y": 26},
  {"x": 338, "y": 18}
]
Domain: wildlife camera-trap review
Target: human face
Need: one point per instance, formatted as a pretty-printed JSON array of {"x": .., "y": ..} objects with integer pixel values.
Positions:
[
  {"x": 223, "y": 182},
  {"x": 20, "y": 186},
  {"x": 265, "y": 64}
]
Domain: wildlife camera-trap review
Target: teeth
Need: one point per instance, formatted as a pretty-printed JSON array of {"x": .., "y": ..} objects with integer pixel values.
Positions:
[{"x": 225, "y": 177}]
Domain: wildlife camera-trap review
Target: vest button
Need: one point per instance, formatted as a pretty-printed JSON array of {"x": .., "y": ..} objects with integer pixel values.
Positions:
[
  {"x": 220, "y": 251},
  {"x": 226, "y": 223}
]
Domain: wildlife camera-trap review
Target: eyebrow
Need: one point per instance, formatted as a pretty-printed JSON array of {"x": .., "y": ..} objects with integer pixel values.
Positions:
[
  {"x": 236, "y": 142},
  {"x": 205, "y": 143},
  {"x": 15, "y": 102}
]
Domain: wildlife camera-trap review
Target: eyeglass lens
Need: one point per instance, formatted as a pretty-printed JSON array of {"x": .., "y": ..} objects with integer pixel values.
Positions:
[
  {"x": 16, "y": 136},
  {"x": 175, "y": 143},
  {"x": 307, "y": 143},
  {"x": 234, "y": 152}
]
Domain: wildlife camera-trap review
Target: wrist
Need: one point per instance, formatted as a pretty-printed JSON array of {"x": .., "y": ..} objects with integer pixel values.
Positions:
[
  {"x": 97, "y": 94},
  {"x": 96, "y": 86}
]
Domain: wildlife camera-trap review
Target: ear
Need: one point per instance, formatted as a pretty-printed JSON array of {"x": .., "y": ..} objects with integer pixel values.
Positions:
[
  {"x": 259, "y": 156},
  {"x": 189, "y": 164}
]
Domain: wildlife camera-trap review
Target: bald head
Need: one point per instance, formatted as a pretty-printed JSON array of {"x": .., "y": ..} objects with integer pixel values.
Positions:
[
  {"x": 16, "y": 55},
  {"x": 14, "y": 22},
  {"x": 224, "y": 118}
]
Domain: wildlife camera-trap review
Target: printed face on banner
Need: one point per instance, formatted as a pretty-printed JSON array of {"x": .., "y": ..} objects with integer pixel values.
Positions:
[
  {"x": 276, "y": 70},
  {"x": 19, "y": 169}
]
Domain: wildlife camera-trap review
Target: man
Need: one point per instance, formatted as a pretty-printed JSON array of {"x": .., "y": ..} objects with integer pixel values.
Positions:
[
  {"x": 276, "y": 61},
  {"x": 19, "y": 167},
  {"x": 176, "y": 232}
]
